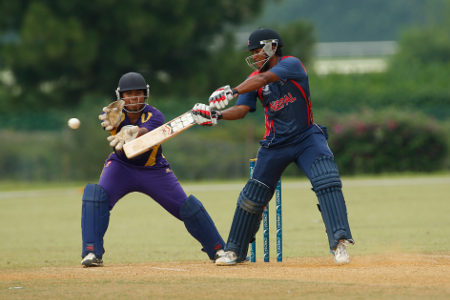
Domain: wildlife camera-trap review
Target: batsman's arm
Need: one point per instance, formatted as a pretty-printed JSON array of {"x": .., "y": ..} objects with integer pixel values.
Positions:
[
  {"x": 255, "y": 82},
  {"x": 235, "y": 112}
]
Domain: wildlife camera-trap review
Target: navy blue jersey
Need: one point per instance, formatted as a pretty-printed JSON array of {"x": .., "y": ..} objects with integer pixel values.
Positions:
[
  {"x": 150, "y": 118},
  {"x": 286, "y": 102}
]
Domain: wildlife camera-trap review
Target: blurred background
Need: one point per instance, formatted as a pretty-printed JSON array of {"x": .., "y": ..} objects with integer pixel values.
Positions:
[{"x": 379, "y": 76}]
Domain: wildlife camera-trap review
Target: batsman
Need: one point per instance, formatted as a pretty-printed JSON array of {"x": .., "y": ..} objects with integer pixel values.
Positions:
[
  {"x": 149, "y": 173},
  {"x": 281, "y": 85}
]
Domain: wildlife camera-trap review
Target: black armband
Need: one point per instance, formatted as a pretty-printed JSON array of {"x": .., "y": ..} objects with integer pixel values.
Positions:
[{"x": 235, "y": 92}]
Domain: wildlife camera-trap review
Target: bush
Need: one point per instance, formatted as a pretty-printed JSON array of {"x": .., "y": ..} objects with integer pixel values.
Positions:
[{"x": 387, "y": 141}]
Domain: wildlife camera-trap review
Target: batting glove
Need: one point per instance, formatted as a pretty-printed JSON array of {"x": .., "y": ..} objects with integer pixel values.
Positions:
[
  {"x": 219, "y": 99},
  {"x": 126, "y": 134},
  {"x": 112, "y": 115},
  {"x": 203, "y": 115}
]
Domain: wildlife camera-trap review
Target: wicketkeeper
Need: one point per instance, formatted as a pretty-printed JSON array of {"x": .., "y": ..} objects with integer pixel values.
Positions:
[
  {"x": 149, "y": 173},
  {"x": 280, "y": 83}
]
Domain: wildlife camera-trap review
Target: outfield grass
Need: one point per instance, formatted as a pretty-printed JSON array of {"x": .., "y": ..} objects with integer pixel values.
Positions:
[{"x": 40, "y": 225}]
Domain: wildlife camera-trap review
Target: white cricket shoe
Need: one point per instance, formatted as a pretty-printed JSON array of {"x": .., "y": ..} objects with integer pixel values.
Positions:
[
  {"x": 90, "y": 260},
  {"x": 218, "y": 254},
  {"x": 341, "y": 255},
  {"x": 229, "y": 258}
]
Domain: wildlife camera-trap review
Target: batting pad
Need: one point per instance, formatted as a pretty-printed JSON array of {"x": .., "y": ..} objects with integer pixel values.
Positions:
[
  {"x": 247, "y": 217},
  {"x": 327, "y": 185},
  {"x": 200, "y": 225},
  {"x": 94, "y": 219}
]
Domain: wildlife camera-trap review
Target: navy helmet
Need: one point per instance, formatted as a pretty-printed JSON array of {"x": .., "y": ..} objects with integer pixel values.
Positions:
[
  {"x": 260, "y": 37},
  {"x": 269, "y": 41},
  {"x": 129, "y": 82},
  {"x": 132, "y": 81}
]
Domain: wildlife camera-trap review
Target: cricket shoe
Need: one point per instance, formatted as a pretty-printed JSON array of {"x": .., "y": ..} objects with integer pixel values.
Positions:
[
  {"x": 229, "y": 258},
  {"x": 218, "y": 254},
  {"x": 90, "y": 260},
  {"x": 341, "y": 255}
]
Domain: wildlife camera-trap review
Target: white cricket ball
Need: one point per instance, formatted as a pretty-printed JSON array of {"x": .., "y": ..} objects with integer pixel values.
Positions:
[{"x": 73, "y": 123}]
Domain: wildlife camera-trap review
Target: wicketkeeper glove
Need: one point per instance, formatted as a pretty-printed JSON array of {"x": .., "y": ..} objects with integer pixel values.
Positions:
[
  {"x": 203, "y": 115},
  {"x": 126, "y": 134},
  {"x": 112, "y": 115},
  {"x": 219, "y": 99}
]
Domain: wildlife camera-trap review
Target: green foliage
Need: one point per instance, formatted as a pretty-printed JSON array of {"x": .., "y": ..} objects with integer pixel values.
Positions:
[
  {"x": 299, "y": 38},
  {"x": 354, "y": 20},
  {"x": 387, "y": 141},
  {"x": 423, "y": 46},
  {"x": 368, "y": 142},
  {"x": 64, "y": 49},
  {"x": 414, "y": 87},
  {"x": 417, "y": 79}
]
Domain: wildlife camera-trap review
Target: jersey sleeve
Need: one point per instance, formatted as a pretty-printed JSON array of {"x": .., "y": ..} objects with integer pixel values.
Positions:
[
  {"x": 248, "y": 99},
  {"x": 289, "y": 68}
]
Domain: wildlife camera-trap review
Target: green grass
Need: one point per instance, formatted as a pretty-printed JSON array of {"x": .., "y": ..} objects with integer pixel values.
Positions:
[
  {"x": 391, "y": 217},
  {"x": 41, "y": 226}
]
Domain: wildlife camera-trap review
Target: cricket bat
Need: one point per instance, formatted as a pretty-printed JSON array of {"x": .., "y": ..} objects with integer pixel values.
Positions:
[{"x": 159, "y": 135}]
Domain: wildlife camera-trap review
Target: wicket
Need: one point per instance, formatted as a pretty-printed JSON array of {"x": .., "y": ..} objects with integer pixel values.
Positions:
[{"x": 279, "y": 228}]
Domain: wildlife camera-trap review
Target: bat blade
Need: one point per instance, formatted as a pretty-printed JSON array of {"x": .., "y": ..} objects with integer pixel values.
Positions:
[{"x": 159, "y": 135}]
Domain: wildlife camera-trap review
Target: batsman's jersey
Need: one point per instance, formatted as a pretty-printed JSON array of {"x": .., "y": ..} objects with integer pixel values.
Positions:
[
  {"x": 150, "y": 118},
  {"x": 286, "y": 102}
]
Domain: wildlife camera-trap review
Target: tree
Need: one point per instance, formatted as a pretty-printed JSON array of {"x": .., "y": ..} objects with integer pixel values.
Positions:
[
  {"x": 299, "y": 39},
  {"x": 59, "y": 50}
]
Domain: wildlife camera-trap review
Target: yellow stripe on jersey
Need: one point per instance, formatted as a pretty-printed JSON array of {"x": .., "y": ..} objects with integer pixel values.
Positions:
[
  {"x": 152, "y": 158},
  {"x": 146, "y": 117}
]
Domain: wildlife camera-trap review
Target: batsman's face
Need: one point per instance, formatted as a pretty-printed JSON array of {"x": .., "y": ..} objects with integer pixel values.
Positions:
[
  {"x": 259, "y": 57},
  {"x": 134, "y": 100}
]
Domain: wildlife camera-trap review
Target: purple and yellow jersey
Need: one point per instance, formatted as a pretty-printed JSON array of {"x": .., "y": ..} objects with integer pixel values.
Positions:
[
  {"x": 150, "y": 118},
  {"x": 286, "y": 102}
]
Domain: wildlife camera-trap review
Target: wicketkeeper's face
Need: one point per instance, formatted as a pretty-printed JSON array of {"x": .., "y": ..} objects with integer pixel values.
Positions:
[{"x": 134, "y": 100}]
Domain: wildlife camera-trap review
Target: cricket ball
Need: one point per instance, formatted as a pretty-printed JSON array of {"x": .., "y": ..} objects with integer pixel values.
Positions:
[{"x": 73, "y": 123}]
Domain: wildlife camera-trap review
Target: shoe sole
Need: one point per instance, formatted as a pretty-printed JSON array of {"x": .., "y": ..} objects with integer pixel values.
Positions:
[
  {"x": 91, "y": 264},
  {"x": 222, "y": 263},
  {"x": 344, "y": 262}
]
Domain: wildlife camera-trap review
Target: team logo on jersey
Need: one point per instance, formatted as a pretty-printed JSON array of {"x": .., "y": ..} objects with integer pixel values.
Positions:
[{"x": 266, "y": 90}]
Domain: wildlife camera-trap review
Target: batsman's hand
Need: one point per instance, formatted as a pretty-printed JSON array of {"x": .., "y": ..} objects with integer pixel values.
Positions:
[
  {"x": 203, "y": 115},
  {"x": 112, "y": 115},
  {"x": 219, "y": 99},
  {"x": 125, "y": 135}
]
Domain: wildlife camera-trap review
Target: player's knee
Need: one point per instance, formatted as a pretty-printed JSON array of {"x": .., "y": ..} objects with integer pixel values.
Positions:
[
  {"x": 254, "y": 197},
  {"x": 95, "y": 193},
  {"x": 324, "y": 174},
  {"x": 190, "y": 207}
]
